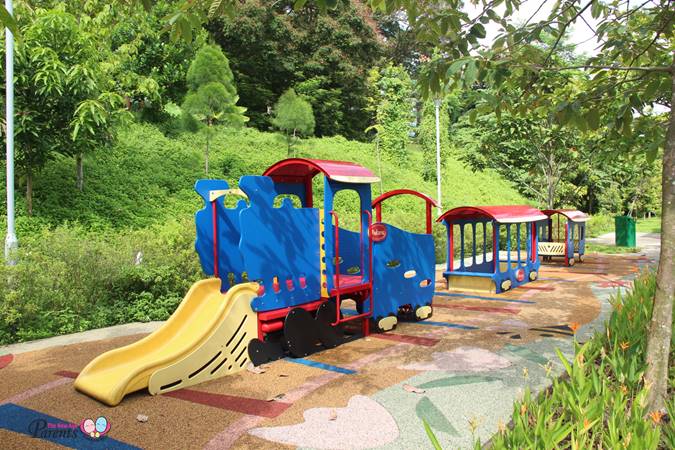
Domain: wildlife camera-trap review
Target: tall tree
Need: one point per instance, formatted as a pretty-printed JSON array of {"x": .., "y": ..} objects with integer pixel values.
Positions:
[
  {"x": 293, "y": 115},
  {"x": 212, "y": 96},
  {"x": 57, "y": 72},
  {"x": 633, "y": 70},
  {"x": 534, "y": 153}
]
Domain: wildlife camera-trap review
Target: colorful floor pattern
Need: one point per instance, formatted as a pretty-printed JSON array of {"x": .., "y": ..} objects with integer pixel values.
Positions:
[{"x": 459, "y": 371}]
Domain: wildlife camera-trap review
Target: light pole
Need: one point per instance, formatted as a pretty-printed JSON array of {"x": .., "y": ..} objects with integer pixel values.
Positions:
[
  {"x": 437, "y": 103},
  {"x": 11, "y": 242}
]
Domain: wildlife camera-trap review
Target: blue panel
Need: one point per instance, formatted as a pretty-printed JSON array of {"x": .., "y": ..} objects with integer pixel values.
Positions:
[
  {"x": 582, "y": 237},
  {"x": 291, "y": 188},
  {"x": 350, "y": 251},
  {"x": 332, "y": 187},
  {"x": 542, "y": 229},
  {"x": 279, "y": 242},
  {"x": 391, "y": 289},
  {"x": 229, "y": 258}
]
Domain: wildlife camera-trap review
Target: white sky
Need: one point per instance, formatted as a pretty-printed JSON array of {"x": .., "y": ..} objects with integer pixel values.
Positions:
[{"x": 579, "y": 33}]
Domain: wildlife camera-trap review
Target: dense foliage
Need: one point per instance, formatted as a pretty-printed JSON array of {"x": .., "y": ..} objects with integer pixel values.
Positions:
[
  {"x": 325, "y": 57},
  {"x": 426, "y": 136},
  {"x": 601, "y": 401},
  {"x": 391, "y": 99}
]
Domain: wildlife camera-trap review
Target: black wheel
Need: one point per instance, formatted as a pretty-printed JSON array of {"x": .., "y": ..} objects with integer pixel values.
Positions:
[
  {"x": 325, "y": 316},
  {"x": 260, "y": 352},
  {"x": 300, "y": 333}
]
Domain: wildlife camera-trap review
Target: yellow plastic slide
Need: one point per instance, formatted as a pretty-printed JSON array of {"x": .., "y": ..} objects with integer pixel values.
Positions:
[{"x": 206, "y": 337}]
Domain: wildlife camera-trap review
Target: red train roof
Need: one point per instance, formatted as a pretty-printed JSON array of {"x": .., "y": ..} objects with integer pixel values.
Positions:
[
  {"x": 298, "y": 170},
  {"x": 572, "y": 214},
  {"x": 501, "y": 214}
]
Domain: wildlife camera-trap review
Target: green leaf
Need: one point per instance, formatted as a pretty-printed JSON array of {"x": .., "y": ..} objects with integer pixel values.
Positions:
[
  {"x": 472, "y": 116},
  {"x": 652, "y": 88},
  {"x": 7, "y": 20},
  {"x": 477, "y": 30},
  {"x": 593, "y": 119},
  {"x": 455, "y": 67},
  {"x": 470, "y": 73},
  {"x": 432, "y": 436},
  {"x": 300, "y": 3}
]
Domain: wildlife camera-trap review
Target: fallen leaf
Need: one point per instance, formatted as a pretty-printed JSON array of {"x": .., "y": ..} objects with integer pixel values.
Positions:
[
  {"x": 283, "y": 375},
  {"x": 276, "y": 398},
  {"x": 332, "y": 415},
  {"x": 142, "y": 418},
  {"x": 413, "y": 389}
]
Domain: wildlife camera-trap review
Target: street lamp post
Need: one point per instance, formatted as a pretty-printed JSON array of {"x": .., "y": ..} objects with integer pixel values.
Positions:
[
  {"x": 437, "y": 103},
  {"x": 11, "y": 242}
]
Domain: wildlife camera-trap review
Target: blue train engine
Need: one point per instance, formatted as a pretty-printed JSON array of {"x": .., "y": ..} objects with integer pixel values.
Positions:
[{"x": 306, "y": 264}]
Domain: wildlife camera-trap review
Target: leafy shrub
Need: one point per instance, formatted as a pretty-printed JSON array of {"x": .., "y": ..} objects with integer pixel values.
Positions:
[
  {"x": 599, "y": 224},
  {"x": 600, "y": 401},
  {"x": 70, "y": 279}
]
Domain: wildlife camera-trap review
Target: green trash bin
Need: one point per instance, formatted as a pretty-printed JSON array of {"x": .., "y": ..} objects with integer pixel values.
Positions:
[{"x": 624, "y": 235}]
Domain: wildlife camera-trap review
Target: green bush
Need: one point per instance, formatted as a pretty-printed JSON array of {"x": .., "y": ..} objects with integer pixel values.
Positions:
[
  {"x": 70, "y": 279},
  {"x": 599, "y": 224},
  {"x": 600, "y": 401}
]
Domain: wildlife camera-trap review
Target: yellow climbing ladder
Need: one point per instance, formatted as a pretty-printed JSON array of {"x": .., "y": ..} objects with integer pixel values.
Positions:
[{"x": 206, "y": 338}]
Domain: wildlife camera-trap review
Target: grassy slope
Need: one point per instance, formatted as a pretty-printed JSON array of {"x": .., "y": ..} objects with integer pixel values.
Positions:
[{"x": 147, "y": 178}]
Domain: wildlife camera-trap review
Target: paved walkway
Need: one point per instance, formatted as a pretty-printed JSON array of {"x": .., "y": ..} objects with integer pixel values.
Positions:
[
  {"x": 460, "y": 371},
  {"x": 649, "y": 243}
]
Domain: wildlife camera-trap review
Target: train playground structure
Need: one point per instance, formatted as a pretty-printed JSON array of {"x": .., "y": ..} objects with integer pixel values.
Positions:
[
  {"x": 562, "y": 234},
  {"x": 279, "y": 274},
  {"x": 484, "y": 232}
]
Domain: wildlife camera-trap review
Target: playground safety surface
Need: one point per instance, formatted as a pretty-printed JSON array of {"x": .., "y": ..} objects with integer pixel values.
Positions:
[{"x": 461, "y": 370}]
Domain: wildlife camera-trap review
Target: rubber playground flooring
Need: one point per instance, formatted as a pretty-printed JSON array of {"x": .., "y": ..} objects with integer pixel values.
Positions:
[{"x": 461, "y": 371}]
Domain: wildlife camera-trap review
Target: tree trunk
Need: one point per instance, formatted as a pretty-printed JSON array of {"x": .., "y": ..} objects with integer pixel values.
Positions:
[
  {"x": 293, "y": 152},
  {"x": 550, "y": 190},
  {"x": 660, "y": 327},
  {"x": 288, "y": 142},
  {"x": 29, "y": 190},
  {"x": 80, "y": 171},
  {"x": 206, "y": 154}
]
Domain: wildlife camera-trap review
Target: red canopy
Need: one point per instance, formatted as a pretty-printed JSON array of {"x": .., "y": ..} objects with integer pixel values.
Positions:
[
  {"x": 299, "y": 170},
  {"x": 501, "y": 214},
  {"x": 572, "y": 214}
]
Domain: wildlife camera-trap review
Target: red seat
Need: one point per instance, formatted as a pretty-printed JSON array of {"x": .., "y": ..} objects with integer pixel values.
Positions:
[
  {"x": 348, "y": 280},
  {"x": 348, "y": 284}
]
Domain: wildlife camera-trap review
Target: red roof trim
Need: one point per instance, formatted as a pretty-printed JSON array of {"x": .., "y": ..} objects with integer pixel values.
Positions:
[
  {"x": 298, "y": 170},
  {"x": 386, "y": 195},
  {"x": 501, "y": 214},
  {"x": 572, "y": 214}
]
